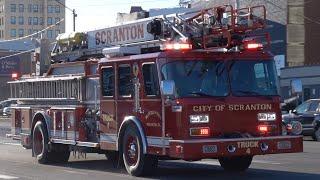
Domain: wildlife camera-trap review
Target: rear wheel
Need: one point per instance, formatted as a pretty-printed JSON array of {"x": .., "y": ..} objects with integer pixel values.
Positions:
[
  {"x": 238, "y": 163},
  {"x": 40, "y": 146},
  {"x": 136, "y": 163}
]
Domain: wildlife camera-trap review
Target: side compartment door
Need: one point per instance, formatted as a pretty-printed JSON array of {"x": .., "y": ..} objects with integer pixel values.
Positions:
[{"x": 108, "y": 124}]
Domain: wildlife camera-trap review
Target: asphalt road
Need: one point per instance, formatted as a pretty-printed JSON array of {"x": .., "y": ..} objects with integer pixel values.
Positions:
[{"x": 17, "y": 163}]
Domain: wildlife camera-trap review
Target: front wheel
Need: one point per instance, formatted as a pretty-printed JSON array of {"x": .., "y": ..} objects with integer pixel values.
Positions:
[
  {"x": 136, "y": 163},
  {"x": 238, "y": 163}
]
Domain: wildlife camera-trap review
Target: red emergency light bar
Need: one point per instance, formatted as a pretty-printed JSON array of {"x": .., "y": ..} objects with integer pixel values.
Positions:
[
  {"x": 253, "y": 46},
  {"x": 176, "y": 46}
]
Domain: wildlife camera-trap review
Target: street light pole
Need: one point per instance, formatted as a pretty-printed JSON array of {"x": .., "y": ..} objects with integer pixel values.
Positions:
[{"x": 74, "y": 19}]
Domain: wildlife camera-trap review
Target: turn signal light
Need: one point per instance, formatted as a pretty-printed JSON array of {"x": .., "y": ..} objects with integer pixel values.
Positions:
[{"x": 203, "y": 131}]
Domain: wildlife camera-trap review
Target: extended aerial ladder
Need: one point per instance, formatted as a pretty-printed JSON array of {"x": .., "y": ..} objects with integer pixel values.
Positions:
[{"x": 219, "y": 28}]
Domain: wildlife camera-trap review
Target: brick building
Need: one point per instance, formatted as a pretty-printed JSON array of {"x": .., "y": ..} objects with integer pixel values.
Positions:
[{"x": 22, "y": 17}]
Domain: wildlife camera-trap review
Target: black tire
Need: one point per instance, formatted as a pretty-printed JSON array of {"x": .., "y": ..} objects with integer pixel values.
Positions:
[
  {"x": 114, "y": 158},
  {"x": 136, "y": 163},
  {"x": 59, "y": 154},
  {"x": 40, "y": 143},
  {"x": 238, "y": 163},
  {"x": 316, "y": 134},
  {"x": 40, "y": 140}
]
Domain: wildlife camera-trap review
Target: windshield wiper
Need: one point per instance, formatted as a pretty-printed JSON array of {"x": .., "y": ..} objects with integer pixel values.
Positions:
[
  {"x": 198, "y": 93},
  {"x": 256, "y": 94},
  {"x": 247, "y": 92}
]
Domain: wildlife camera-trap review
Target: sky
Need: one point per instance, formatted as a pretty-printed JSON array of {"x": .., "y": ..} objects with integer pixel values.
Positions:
[{"x": 96, "y": 14}]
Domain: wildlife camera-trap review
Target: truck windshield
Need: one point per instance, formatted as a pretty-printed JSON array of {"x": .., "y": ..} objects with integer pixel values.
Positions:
[
  {"x": 216, "y": 78},
  {"x": 197, "y": 78},
  {"x": 250, "y": 78}
]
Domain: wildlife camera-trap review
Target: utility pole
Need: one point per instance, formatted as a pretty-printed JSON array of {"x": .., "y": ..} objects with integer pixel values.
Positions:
[
  {"x": 237, "y": 4},
  {"x": 73, "y": 14},
  {"x": 74, "y": 19}
]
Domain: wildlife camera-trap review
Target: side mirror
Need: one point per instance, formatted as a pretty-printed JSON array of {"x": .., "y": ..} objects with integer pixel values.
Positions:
[
  {"x": 294, "y": 111},
  {"x": 168, "y": 88}
]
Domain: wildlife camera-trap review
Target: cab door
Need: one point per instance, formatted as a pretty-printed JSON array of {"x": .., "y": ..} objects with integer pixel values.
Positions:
[
  {"x": 108, "y": 124},
  {"x": 151, "y": 106}
]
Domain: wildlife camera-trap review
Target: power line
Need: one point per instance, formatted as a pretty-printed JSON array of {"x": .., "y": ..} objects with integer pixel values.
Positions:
[
  {"x": 74, "y": 14},
  {"x": 64, "y": 5},
  {"x": 19, "y": 53},
  {"x": 30, "y": 35}
]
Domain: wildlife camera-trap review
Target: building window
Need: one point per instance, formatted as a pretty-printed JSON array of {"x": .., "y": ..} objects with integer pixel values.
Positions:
[
  {"x": 35, "y": 32},
  {"x": 29, "y": 8},
  {"x": 41, "y": 21},
  {"x": 21, "y": 8},
  {"x": 13, "y": 7},
  {"x": 50, "y": 9},
  {"x": 21, "y": 32},
  {"x": 35, "y": 8},
  {"x": 21, "y": 20},
  {"x": 57, "y": 20},
  {"x": 50, "y": 21},
  {"x": 35, "y": 21},
  {"x": 13, "y": 20},
  {"x": 57, "y": 9},
  {"x": 41, "y": 8},
  {"x": 50, "y": 34},
  {"x": 13, "y": 33},
  {"x": 30, "y": 20},
  {"x": 29, "y": 31},
  {"x": 57, "y": 32}
]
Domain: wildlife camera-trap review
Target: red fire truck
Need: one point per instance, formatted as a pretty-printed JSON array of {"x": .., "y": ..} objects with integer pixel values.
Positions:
[{"x": 187, "y": 86}]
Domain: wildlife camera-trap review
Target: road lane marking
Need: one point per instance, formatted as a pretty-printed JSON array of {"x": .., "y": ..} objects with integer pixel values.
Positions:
[
  {"x": 75, "y": 172},
  {"x": 216, "y": 163},
  {"x": 12, "y": 144},
  {"x": 7, "y": 177},
  {"x": 266, "y": 162}
]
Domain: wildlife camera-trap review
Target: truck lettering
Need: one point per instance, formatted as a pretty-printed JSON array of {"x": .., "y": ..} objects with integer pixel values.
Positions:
[
  {"x": 248, "y": 144},
  {"x": 120, "y": 34}
]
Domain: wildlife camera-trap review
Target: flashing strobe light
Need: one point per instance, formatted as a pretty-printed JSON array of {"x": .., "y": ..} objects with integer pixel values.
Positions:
[
  {"x": 176, "y": 46},
  {"x": 14, "y": 75},
  {"x": 263, "y": 128},
  {"x": 253, "y": 46}
]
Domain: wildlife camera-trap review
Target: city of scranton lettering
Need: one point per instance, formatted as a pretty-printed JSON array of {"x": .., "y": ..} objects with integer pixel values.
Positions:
[{"x": 232, "y": 107}]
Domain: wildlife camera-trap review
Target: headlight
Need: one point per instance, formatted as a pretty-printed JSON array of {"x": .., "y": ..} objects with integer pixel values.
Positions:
[
  {"x": 267, "y": 116},
  {"x": 199, "y": 119}
]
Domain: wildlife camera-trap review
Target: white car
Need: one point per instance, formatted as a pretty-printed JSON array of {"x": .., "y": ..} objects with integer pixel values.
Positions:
[{"x": 6, "y": 111}]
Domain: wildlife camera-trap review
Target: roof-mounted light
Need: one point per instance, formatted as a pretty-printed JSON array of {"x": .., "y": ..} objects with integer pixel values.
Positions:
[
  {"x": 176, "y": 46},
  {"x": 14, "y": 75},
  {"x": 253, "y": 46}
]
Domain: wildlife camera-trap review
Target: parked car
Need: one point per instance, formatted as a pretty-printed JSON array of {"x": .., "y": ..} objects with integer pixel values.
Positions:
[
  {"x": 5, "y": 106},
  {"x": 308, "y": 114}
]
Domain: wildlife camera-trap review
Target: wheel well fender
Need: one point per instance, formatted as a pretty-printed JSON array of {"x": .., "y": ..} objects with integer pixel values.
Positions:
[
  {"x": 136, "y": 122},
  {"x": 46, "y": 120}
]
